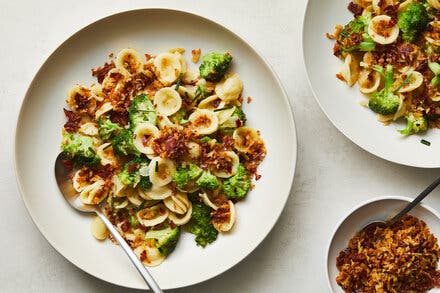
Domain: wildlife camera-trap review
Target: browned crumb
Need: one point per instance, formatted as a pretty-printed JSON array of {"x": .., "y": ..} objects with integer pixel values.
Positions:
[{"x": 195, "y": 55}]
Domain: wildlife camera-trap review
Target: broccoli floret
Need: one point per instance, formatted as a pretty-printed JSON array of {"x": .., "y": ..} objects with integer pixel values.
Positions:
[
  {"x": 357, "y": 30},
  {"x": 238, "y": 185},
  {"x": 414, "y": 124},
  {"x": 237, "y": 119},
  {"x": 166, "y": 239},
  {"x": 385, "y": 102},
  {"x": 214, "y": 66},
  {"x": 133, "y": 221},
  {"x": 412, "y": 21},
  {"x": 131, "y": 174},
  {"x": 179, "y": 116},
  {"x": 201, "y": 225},
  {"x": 123, "y": 144},
  {"x": 183, "y": 175},
  {"x": 208, "y": 181},
  {"x": 79, "y": 149},
  {"x": 194, "y": 171},
  {"x": 141, "y": 110},
  {"x": 107, "y": 129}
]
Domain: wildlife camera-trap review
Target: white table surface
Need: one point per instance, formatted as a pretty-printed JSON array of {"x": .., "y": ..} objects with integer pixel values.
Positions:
[{"x": 332, "y": 174}]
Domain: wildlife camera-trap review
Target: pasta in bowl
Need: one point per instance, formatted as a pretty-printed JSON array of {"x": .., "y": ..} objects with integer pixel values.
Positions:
[
  {"x": 162, "y": 147},
  {"x": 390, "y": 49}
]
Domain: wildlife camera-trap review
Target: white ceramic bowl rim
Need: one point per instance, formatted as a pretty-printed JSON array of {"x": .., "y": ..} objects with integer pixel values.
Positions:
[
  {"x": 239, "y": 37},
  {"x": 357, "y": 207}
]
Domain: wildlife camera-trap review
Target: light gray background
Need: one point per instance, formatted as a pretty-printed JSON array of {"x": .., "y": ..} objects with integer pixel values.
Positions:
[{"x": 332, "y": 174}]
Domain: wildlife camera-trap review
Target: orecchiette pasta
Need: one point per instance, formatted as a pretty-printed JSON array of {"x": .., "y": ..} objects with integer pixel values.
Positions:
[
  {"x": 106, "y": 107},
  {"x": 105, "y": 153},
  {"x": 232, "y": 159},
  {"x": 144, "y": 134},
  {"x": 161, "y": 170},
  {"x": 98, "y": 229},
  {"x": 369, "y": 81},
  {"x": 414, "y": 80},
  {"x": 89, "y": 128},
  {"x": 149, "y": 255},
  {"x": 152, "y": 216},
  {"x": 350, "y": 70},
  {"x": 230, "y": 88},
  {"x": 244, "y": 138},
  {"x": 168, "y": 67},
  {"x": 224, "y": 217},
  {"x": 203, "y": 121},
  {"x": 129, "y": 62},
  {"x": 167, "y": 101},
  {"x": 180, "y": 220},
  {"x": 94, "y": 193},
  {"x": 380, "y": 30},
  {"x": 177, "y": 203}
]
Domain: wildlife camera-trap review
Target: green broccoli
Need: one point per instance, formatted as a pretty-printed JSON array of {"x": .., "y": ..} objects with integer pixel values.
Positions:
[
  {"x": 385, "y": 102},
  {"x": 179, "y": 116},
  {"x": 208, "y": 181},
  {"x": 133, "y": 221},
  {"x": 131, "y": 174},
  {"x": 354, "y": 35},
  {"x": 107, "y": 129},
  {"x": 79, "y": 149},
  {"x": 200, "y": 224},
  {"x": 435, "y": 68},
  {"x": 237, "y": 119},
  {"x": 238, "y": 185},
  {"x": 123, "y": 144},
  {"x": 166, "y": 239},
  {"x": 183, "y": 175},
  {"x": 412, "y": 21},
  {"x": 141, "y": 110},
  {"x": 214, "y": 66},
  {"x": 415, "y": 123}
]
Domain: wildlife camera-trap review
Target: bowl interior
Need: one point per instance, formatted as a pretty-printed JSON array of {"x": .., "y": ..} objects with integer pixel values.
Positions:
[{"x": 376, "y": 209}]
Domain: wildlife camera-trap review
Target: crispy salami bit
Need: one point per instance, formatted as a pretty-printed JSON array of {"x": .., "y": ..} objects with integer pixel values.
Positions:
[
  {"x": 73, "y": 120},
  {"x": 171, "y": 143},
  {"x": 355, "y": 9},
  {"x": 102, "y": 71}
]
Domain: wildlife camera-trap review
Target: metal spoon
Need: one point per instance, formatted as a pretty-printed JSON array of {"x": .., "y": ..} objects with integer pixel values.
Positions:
[
  {"x": 71, "y": 196},
  {"x": 408, "y": 207}
]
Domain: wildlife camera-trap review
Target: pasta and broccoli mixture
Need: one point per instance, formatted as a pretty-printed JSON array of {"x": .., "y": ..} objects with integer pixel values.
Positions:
[
  {"x": 161, "y": 147},
  {"x": 392, "y": 50}
]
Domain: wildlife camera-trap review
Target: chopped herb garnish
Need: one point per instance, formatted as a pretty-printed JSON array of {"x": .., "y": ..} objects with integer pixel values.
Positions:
[
  {"x": 403, "y": 82},
  {"x": 156, "y": 168},
  {"x": 112, "y": 203},
  {"x": 133, "y": 221},
  {"x": 183, "y": 121},
  {"x": 205, "y": 139},
  {"x": 221, "y": 109},
  {"x": 179, "y": 80},
  {"x": 186, "y": 95},
  {"x": 141, "y": 206},
  {"x": 425, "y": 142}
]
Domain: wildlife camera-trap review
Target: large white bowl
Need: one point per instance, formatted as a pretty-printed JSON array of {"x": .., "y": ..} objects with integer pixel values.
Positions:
[
  {"x": 341, "y": 103},
  {"x": 378, "y": 208},
  {"x": 39, "y": 131}
]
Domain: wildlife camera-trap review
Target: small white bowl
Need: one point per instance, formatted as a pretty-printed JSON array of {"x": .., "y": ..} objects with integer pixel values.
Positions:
[{"x": 378, "y": 208}]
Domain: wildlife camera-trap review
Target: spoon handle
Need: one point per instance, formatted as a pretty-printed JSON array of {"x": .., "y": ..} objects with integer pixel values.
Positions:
[
  {"x": 418, "y": 199},
  {"x": 134, "y": 259}
]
